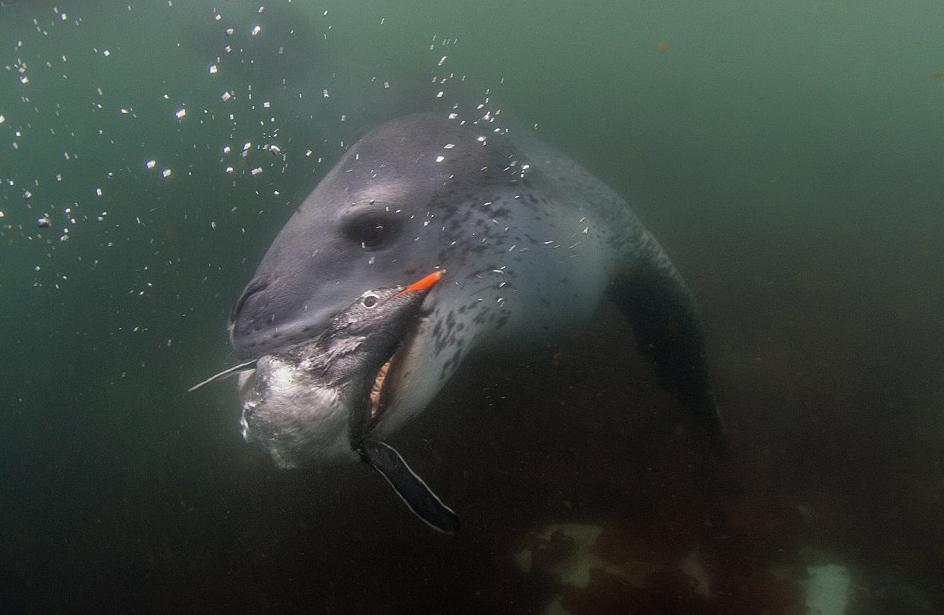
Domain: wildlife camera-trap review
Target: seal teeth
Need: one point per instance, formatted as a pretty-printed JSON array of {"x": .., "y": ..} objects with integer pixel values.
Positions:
[{"x": 375, "y": 390}]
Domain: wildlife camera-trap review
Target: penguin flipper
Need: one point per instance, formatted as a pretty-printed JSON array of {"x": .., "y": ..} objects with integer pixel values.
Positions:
[{"x": 415, "y": 493}]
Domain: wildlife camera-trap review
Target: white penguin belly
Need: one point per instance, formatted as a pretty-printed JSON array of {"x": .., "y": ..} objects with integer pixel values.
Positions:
[{"x": 293, "y": 416}]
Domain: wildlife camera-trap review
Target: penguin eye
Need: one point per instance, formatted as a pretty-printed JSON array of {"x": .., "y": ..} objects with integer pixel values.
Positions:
[{"x": 370, "y": 301}]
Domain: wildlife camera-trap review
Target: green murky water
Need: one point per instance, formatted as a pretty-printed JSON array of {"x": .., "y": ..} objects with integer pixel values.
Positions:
[{"x": 789, "y": 158}]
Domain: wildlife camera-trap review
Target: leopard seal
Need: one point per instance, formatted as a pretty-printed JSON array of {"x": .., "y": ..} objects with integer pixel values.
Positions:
[{"x": 532, "y": 243}]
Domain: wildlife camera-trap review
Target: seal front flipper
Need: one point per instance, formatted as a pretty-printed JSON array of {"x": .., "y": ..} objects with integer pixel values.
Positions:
[
  {"x": 412, "y": 490},
  {"x": 662, "y": 312}
]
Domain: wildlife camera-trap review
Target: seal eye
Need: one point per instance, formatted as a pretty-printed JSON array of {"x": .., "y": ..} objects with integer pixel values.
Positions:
[
  {"x": 372, "y": 234},
  {"x": 371, "y": 231},
  {"x": 370, "y": 301}
]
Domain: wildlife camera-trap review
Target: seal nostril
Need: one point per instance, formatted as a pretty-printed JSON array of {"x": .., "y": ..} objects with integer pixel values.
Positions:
[{"x": 252, "y": 288}]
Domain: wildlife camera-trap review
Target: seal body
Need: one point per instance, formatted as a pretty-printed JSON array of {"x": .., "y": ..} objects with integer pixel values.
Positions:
[{"x": 531, "y": 241}]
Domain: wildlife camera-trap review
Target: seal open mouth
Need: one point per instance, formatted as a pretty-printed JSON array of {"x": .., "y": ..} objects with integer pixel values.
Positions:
[
  {"x": 385, "y": 383},
  {"x": 377, "y": 389},
  {"x": 379, "y": 395}
]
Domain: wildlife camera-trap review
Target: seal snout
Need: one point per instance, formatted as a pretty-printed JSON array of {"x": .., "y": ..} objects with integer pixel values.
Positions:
[
  {"x": 245, "y": 316},
  {"x": 269, "y": 316}
]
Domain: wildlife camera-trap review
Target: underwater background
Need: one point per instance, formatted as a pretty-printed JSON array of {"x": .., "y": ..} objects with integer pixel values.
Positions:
[{"x": 789, "y": 156}]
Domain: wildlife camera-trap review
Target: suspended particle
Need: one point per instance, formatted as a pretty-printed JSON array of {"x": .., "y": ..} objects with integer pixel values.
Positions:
[{"x": 43, "y": 222}]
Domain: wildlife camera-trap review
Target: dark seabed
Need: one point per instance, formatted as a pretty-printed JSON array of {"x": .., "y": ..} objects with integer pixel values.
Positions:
[{"x": 789, "y": 158}]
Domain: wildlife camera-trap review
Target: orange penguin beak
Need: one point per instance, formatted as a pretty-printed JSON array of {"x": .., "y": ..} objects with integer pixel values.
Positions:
[{"x": 424, "y": 283}]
